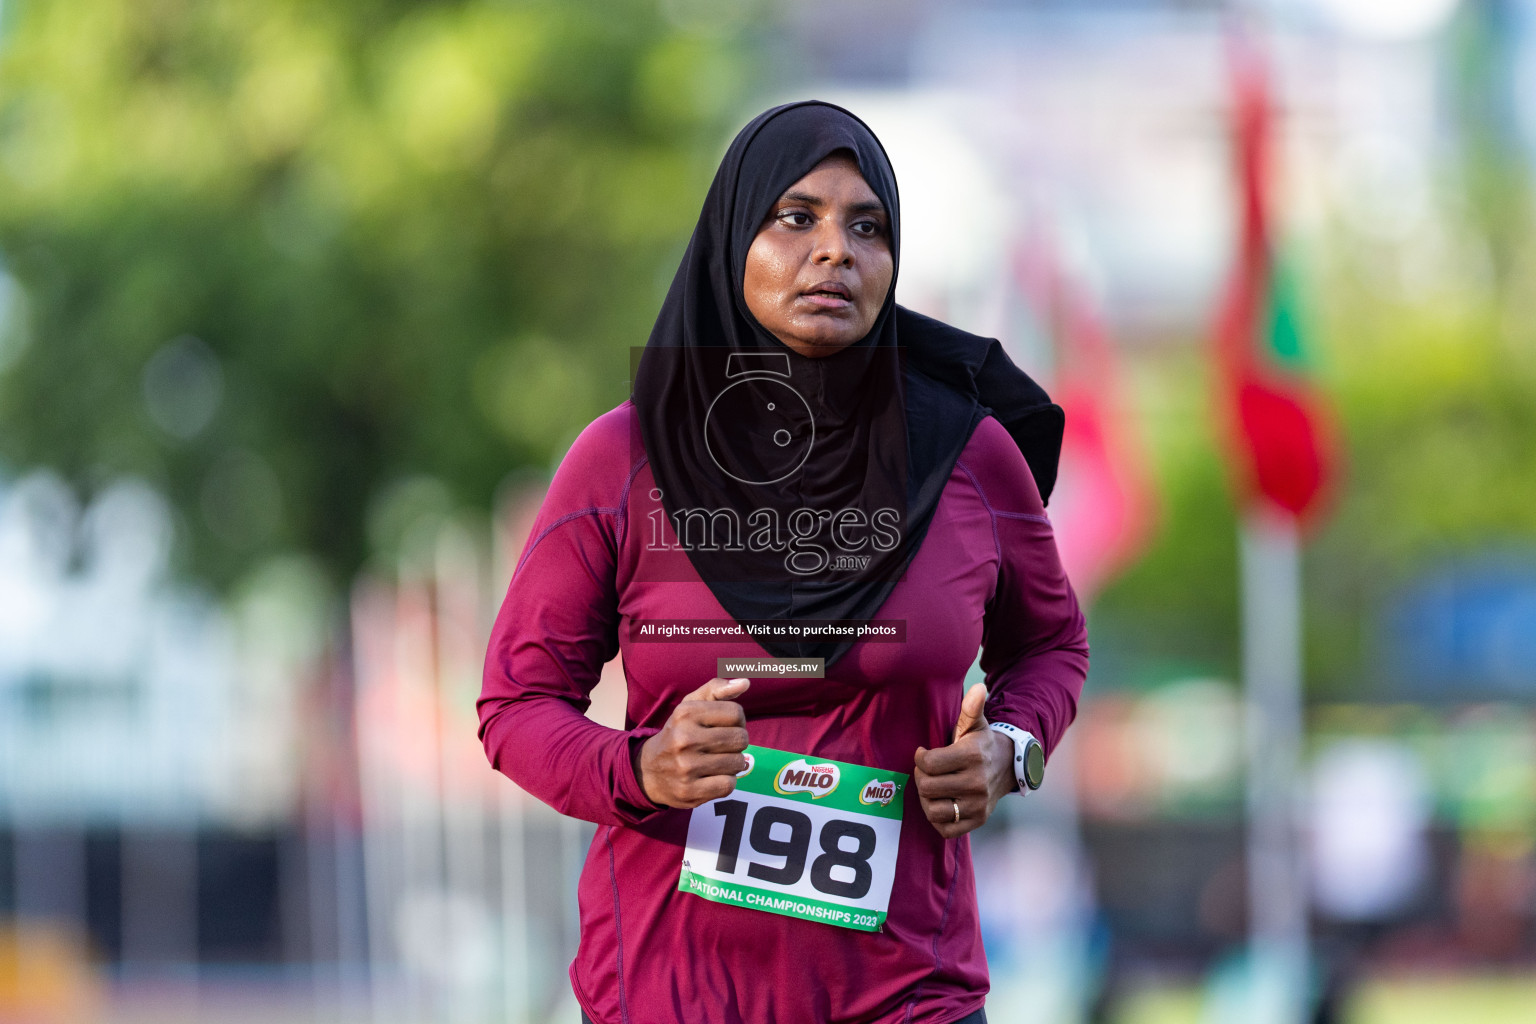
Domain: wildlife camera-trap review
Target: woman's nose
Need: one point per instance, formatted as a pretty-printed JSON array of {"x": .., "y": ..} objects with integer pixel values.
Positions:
[{"x": 832, "y": 247}]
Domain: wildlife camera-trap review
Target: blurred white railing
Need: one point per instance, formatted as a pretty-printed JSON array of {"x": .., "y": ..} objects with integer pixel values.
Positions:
[{"x": 470, "y": 884}]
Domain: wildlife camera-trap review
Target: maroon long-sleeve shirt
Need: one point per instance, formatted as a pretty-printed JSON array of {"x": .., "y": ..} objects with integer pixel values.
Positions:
[{"x": 987, "y": 575}]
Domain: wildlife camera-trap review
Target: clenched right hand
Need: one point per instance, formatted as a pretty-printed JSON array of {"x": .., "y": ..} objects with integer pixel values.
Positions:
[{"x": 697, "y": 755}]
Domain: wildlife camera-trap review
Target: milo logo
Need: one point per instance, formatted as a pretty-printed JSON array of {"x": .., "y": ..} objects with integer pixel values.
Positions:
[
  {"x": 879, "y": 792},
  {"x": 800, "y": 777}
]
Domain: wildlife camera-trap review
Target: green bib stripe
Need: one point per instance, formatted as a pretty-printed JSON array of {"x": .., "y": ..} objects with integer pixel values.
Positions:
[{"x": 804, "y": 783}]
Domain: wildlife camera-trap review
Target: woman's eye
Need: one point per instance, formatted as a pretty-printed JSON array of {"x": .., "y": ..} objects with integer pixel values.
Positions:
[
  {"x": 867, "y": 228},
  {"x": 795, "y": 218}
]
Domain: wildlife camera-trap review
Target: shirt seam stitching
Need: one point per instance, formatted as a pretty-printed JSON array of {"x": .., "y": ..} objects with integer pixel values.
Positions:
[
  {"x": 997, "y": 544},
  {"x": 618, "y": 925},
  {"x": 623, "y": 509},
  {"x": 1028, "y": 517},
  {"x": 996, "y": 513},
  {"x": 552, "y": 527},
  {"x": 938, "y": 961}
]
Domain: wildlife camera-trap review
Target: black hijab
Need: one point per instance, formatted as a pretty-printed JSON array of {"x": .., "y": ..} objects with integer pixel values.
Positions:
[{"x": 801, "y": 488}]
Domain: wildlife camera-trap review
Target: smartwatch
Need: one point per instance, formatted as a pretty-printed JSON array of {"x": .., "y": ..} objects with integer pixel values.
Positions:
[{"x": 1028, "y": 756}]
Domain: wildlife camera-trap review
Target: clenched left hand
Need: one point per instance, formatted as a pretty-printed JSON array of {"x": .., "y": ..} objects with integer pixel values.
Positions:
[{"x": 971, "y": 774}]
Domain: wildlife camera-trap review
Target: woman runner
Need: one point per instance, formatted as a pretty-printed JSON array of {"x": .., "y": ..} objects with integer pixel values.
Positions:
[{"x": 805, "y": 470}]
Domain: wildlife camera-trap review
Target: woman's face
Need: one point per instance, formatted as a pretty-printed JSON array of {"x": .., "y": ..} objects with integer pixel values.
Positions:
[{"x": 820, "y": 267}]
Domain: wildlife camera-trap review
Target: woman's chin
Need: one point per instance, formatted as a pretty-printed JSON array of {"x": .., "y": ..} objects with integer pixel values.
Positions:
[
  {"x": 826, "y": 341},
  {"x": 818, "y": 348}
]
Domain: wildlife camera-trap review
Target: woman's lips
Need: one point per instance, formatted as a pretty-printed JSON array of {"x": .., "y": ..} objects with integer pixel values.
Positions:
[{"x": 828, "y": 296}]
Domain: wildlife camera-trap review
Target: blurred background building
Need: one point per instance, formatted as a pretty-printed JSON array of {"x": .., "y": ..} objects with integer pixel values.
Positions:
[{"x": 300, "y": 304}]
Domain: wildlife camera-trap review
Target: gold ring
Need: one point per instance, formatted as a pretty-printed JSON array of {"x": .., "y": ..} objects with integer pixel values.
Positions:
[{"x": 957, "y": 811}]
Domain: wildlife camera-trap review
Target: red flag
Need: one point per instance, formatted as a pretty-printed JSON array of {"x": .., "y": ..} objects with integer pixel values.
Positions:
[
  {"x": 1278, "y": 422},
  {"x": 1102, "y": 508}
]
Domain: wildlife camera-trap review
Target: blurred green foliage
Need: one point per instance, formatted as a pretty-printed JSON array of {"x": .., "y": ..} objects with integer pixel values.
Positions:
[
  {"x": 1173, "y": 614},
  {"x": 1436, "y": 387},
  {"x": 284, "y": 260}
]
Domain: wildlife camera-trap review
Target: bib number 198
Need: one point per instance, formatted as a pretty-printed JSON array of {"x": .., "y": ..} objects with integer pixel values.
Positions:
[
  {"x": 855, "y": 861},
  {"x": 800, "y": 837}
]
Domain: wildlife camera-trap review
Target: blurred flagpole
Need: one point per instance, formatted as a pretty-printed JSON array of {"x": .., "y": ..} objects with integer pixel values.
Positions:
[
  {"x": 1283, "y": 457},
  {"x": 1271, "y": 610}
]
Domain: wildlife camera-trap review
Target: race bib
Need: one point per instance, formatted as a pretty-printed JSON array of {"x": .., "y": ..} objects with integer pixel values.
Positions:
[{"x": 801, "y": 836}]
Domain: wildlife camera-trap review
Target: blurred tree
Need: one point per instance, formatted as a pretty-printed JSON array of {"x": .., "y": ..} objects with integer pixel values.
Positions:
[
  {"x": 286, "y": 260},
  {"x": 1485, "y": 100},
  {"x": 1441, "y": 421}
]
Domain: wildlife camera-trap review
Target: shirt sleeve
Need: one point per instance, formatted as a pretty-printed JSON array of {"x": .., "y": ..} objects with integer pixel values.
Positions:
[
  {"x": 1034, "y": 640},
  {"x": 557, "y": 626}
]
